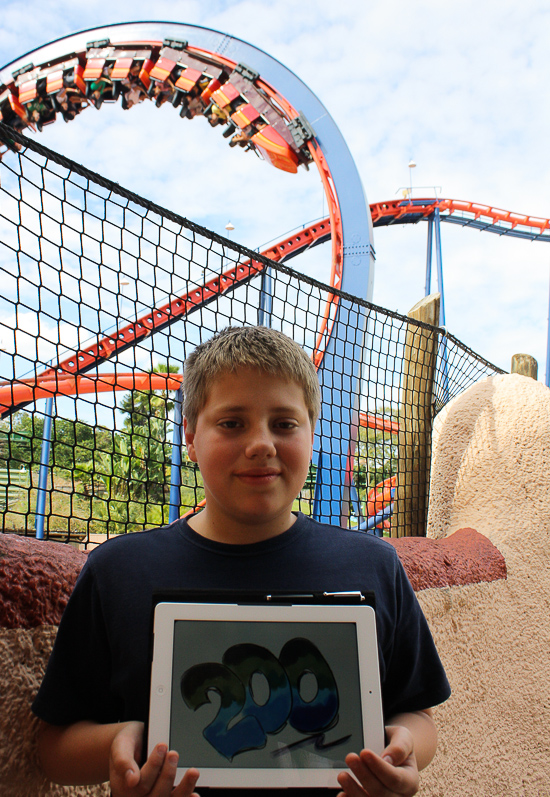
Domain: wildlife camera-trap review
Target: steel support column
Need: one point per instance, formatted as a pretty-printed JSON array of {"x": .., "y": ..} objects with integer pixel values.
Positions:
[
  {"x": 175, "y": 471},
  {"x": 40, "y": 514},
  {"x": 443, "y": 343},
  {"x": 429, "y": 250},
  {"x": 266, "y": 299}
]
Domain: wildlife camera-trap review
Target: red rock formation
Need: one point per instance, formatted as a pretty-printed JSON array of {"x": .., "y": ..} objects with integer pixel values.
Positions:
[
  {"x": 36, "y": 579},
  {"x": 466, "y": 557}
]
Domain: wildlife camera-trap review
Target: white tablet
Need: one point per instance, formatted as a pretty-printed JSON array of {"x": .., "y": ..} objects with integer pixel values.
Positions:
[{"x": 270, "y": 696}]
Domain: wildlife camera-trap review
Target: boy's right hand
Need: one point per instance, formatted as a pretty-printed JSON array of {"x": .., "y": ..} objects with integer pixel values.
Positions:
[{"x": 155, "y": 778}]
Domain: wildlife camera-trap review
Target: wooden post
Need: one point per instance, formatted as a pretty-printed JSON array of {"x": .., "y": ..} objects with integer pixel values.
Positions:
[
  {"x": 525, "y": 365},
  {"x": 415, "y": 422}
]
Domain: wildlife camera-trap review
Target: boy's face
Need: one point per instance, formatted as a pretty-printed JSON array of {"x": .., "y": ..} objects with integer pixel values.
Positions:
[{"x": 253, "y": 443}]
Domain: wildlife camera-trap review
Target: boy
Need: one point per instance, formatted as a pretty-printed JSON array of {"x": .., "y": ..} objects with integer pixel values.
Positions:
[{"x": 251, "y": 403}]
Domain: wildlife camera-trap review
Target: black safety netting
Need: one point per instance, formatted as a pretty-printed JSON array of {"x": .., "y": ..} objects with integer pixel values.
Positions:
[{"x": 104, "y": 294}]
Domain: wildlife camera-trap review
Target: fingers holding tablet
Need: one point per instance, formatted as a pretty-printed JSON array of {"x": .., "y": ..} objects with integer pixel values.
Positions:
[
  {"x": 155, "y": 778},
  {"x": 187, "y": 784}
]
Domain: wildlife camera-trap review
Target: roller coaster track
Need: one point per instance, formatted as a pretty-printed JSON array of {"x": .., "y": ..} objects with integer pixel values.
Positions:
[
  {"x": 406, "y": 211},
  {"x": 467, "y": 214},
  {"x": 209, "y": 73},
  {"x": 45, "y": 386}
]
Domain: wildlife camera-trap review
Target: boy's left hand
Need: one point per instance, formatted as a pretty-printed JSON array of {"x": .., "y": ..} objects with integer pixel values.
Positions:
[{"x": 393, "y": 773}]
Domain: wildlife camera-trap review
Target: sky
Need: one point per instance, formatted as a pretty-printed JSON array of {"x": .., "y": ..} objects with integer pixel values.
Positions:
[{"x": 460, "y": 88}]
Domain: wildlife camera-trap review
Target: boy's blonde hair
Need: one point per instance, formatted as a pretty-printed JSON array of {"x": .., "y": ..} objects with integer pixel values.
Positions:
[{"x": 247, "y": 347}]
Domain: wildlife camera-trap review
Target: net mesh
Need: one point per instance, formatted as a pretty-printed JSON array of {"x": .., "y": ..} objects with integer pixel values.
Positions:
[{"x": 104, "y": 294}]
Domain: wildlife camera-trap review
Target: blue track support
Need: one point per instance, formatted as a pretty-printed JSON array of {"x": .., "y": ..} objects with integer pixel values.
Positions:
[
  {"x": 371, "y": 523},
  {"x": 266, "y": 300},
  {"x": 429, "y": 250},
  {"x": 339, "y": 371},
  {"x": 338, "y": 379},
  {"x": 443, "y": 343},
  {"x": 175, "y": 472},
  {"x": 40, "y": 513},
  {"x": 439, "y": 265},
  {"x": 355, "y": 502}
]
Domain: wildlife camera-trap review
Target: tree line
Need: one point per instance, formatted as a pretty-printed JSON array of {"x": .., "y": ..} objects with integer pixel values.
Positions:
[{"x": 122, "y": 475}]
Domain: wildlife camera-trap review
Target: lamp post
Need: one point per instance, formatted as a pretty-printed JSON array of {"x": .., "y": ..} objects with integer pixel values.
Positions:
[
  {"x": 123, "y": 284},
  {"x": 412, "y": 165}
]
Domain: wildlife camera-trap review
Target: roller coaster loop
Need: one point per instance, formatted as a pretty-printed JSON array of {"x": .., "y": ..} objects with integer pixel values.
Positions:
[{"x": 255, "y": 100}]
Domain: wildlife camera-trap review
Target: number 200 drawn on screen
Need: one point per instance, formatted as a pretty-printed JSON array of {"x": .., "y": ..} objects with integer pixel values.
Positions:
[{"x": 242, "y": 723}]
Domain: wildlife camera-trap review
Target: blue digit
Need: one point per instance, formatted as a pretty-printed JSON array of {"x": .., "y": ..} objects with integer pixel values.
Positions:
[
  {"x": 248, "y": 659},
  {"x": 247, "y": 734},
  {"x": 300, "y": 657}
]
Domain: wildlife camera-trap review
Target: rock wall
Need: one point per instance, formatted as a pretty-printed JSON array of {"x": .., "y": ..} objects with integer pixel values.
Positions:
[
  {"x": 491, "y": 472},
  {"x": 36, "y": 579}
]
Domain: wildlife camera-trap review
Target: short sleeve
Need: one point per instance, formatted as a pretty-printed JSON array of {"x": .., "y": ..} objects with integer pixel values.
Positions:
[
  {"x": 414, "y": 677},
  {"x": 76, "y": 682}
]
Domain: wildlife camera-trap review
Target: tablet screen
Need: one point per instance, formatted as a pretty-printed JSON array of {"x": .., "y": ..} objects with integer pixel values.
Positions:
[{"x": 265, "y": 695}]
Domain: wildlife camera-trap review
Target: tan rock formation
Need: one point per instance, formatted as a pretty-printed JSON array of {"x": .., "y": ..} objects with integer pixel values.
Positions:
[{"x": 491, "y": 471}]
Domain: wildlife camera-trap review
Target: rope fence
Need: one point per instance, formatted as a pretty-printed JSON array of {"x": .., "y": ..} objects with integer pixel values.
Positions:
[{"x": 104, "y": 294}]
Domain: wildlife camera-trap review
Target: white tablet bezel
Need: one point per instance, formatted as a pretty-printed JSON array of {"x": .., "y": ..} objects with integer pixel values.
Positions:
[{"x": 167, "y": 614}]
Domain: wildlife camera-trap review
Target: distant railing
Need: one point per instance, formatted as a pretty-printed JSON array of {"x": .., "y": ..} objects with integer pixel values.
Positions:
[{"x": 13, "y": 485}]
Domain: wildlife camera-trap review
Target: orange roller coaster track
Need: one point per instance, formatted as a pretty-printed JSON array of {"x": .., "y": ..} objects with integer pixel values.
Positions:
[
  {"x": 405, "y": 211},
  {"x": 24, "y": 391}
]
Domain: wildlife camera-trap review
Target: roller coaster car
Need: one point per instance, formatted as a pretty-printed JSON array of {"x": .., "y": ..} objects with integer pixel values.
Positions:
[
  {"x": 227, "y": 97},
  {"x": 11, "y": 117},
  {"x": 133, "y": 68},
  {"x": 212, "y": 86},
  {"x": 242, "y": 80},
  {"x": 245, "y": 116},
  {"x": 69, "y": 102},
  {"x": 100, "y": 88},
  {"x": 68, "y": 88},
  {"x": 163, "y": 91},
  {"x": 275, "y": 145},
  {"x": 38, "y": 103},
  {"x": 192, "y": 105},
  {"x": 163, "y": 69},
  {"x": 132, "y": 87},
  {"x": 250, "y": 122},
  {"x": 12, "y": 112},
  {"x": 49, "y": 80},
  {"x": 276, "y": 150},
  {"x": 186, "y": 73},
  {"x": 112, "y": 71},
  {"x": 226, "y": 103},
  {"x": 41, "y": 111},
  {"x": 72, "y": 78}
]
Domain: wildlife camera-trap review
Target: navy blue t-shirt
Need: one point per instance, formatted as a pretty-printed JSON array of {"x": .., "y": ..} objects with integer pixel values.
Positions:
[{"x": 99, "y": 667}]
